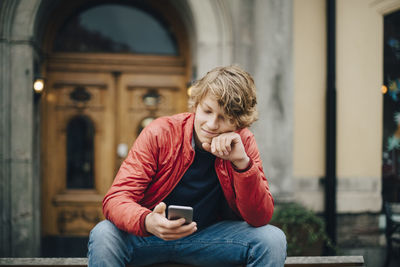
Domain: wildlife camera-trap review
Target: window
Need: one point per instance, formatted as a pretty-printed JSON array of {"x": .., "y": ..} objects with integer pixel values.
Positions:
[
  {"x": 115, "y": 28},
  {"x": 391, "y": 109},
  {"x": 80, "y": 153}
]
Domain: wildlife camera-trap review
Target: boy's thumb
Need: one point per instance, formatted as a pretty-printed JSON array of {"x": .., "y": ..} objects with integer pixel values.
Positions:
[
  {"x": 206, "y": 147},
  {"x": 160, "y": 208}
]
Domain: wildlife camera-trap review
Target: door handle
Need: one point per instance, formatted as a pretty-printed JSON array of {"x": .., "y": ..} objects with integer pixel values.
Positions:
[{"x": 122, "y": 150}]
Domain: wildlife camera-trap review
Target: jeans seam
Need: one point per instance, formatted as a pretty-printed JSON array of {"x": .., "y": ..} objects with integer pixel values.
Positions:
[{"x": 251, "y": 256}]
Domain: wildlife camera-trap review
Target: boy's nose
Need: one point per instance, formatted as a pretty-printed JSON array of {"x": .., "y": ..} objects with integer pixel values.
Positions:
[{"x": 212, "y": 124}]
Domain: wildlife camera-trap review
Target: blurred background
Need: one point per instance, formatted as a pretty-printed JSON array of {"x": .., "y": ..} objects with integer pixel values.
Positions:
[{"x": 81, "y": 79}]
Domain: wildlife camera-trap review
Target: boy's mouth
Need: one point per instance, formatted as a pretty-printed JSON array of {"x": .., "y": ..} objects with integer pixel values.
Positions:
[{"x": 209, "y": 134}]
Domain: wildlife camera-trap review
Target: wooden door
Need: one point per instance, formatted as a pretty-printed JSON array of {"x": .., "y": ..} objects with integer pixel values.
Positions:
[
  {"x": 93, "y": 109},
  {"x": 144, "y": 97}
]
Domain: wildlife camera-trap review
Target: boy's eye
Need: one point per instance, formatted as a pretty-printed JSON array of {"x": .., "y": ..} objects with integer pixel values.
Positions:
[{"x": 207, "y": 111}]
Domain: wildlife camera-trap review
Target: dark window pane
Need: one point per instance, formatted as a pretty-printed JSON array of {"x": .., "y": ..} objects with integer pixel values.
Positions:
[
  {"x": 114, "y": 28},
  {"x": 391, "y": 109},
  {"x": 80, "y": 141}
]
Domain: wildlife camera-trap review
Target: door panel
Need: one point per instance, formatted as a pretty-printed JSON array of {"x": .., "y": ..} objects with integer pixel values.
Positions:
[
  {"x": 69, "y": 96},
  {"x": 143, "y": 97},
  {"x": 117, "y": 104}
]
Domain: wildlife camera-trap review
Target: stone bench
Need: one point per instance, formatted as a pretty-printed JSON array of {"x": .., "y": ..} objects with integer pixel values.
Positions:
[{"x": 314, "y": 261}]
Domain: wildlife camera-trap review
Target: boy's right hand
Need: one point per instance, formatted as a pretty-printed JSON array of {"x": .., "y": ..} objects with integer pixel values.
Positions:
[{"x": 157, "y": 224}]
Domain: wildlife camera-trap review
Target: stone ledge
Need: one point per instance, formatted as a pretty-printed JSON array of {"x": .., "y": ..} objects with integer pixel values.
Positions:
[{"x": 290, "y": 262}]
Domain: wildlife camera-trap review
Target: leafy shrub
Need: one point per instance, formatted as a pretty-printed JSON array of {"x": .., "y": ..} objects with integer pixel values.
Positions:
[{"x": 305, "y": 231}]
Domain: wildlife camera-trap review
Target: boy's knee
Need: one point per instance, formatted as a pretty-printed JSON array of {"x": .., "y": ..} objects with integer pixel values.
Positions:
[
  {"x": 268, "y": 246},
  {"x": 100, "y": 229},
  {"x": 272, "y": 238},
  {"x": 105, "y": 236},
  {"x": 104, "y": 232},
  {"x": 106, "y": 245}
]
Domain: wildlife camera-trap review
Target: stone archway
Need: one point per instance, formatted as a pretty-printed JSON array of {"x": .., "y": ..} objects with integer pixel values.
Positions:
[{"x": 209, "y": 23}]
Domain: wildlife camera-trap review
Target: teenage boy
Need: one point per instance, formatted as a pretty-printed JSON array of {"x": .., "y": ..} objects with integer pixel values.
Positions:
[{"x": 208, "y": 160}]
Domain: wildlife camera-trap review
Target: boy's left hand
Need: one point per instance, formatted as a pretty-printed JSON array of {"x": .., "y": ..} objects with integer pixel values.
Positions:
[{"x": 229, "y": 146}]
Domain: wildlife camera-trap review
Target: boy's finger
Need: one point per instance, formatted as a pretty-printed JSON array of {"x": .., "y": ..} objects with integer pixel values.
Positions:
[
  {"x": 218, "y": 148},
  {"x": 224, "y": 146},
  {"x": 180, "y": 231},
  {"x": 228, "y": 142},
  {"x": 206, "y": 147},
  {"x": 173, "y": 224},
  {"x": 221, "y": 146},
  {"x": 213, "y": 145},
  {"x": 160, "y": 208}
]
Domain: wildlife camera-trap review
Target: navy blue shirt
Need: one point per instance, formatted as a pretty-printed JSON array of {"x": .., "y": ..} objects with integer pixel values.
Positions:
[{"x": 199, "y": 188}]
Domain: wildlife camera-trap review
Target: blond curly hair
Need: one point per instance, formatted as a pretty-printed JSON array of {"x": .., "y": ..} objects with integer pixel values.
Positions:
[{"x": 234, "y": 90}]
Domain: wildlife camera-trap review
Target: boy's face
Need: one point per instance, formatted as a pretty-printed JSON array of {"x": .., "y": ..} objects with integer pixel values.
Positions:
[{"x": 210, "y": 121}]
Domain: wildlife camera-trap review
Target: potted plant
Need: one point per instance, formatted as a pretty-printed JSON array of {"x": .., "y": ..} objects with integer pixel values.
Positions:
[{"x": 305, "y": 231}]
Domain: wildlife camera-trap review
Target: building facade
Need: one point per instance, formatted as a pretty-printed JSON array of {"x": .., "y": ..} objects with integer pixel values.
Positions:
[{"x": 104, "y": 80}]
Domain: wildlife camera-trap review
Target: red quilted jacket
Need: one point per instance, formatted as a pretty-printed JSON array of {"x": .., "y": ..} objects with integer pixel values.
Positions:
[{"x": 157, "y": 161}]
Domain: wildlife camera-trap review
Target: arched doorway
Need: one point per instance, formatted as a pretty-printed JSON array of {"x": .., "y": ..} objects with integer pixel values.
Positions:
[{"x": 110, "y": 68}]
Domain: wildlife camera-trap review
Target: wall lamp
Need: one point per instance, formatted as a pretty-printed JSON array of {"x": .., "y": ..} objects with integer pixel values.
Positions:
[
  {"x": 151, "y": 98},
  {"x": 38, "y": 85}
]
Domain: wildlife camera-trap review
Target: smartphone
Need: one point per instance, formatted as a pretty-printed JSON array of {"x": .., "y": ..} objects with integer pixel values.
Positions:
[{"x": 176, "y": 212}]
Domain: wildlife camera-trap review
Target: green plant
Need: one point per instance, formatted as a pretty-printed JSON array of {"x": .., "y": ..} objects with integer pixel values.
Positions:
[{"x": 305, "y": 231}]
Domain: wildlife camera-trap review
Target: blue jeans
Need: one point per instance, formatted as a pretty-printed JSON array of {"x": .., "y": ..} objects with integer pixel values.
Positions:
[{"x": 227, "y": 243}]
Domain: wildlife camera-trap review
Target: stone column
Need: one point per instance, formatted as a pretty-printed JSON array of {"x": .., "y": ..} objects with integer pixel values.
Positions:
[
  {"x": 263, "y": 45},
  {"x": 20, "y": 207},
  {"x": 5, "y": 122}
]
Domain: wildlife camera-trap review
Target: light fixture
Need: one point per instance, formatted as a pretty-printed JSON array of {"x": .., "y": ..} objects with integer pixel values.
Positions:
[
  {"x": 38, "y": 85},
  {"x": 384, "y": 89},
  {"x": 151, "y": 98}
]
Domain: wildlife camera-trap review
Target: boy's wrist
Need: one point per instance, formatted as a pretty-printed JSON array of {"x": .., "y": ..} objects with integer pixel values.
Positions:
[{"x": 241, "y": 164}]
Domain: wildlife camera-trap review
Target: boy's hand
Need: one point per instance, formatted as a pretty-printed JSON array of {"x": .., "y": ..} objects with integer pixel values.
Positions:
[
  {"x": 229, "y": 146},
  {"x": 157, "y": 224}
]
